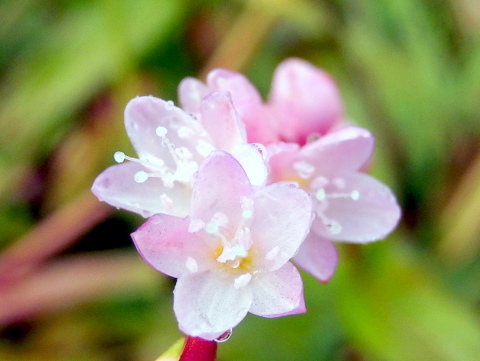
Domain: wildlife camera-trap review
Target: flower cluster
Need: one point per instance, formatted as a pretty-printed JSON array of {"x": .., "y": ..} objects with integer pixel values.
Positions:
[{"x": 235, "y": 188}]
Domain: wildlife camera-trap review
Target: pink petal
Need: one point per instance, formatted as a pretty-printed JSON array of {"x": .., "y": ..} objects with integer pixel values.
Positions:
[
  {"x": 346, "y": 149},
  {"x": 220, "y": 120},
  {"x": 246, "y": 99},
  {"x": 143, "y": 115},
  {"x": 369, "y": 218},
  {"x": 165, "y": 243},
  {"x": 190, "y": 94},
  {"x": 278, "y": 293},
  {"x": 117, "y": 187},
  {"x": 219, "y": 187},
  {"x": 305, "y": 100},
  {"x": 207, "y": 305},
  {"x": 251, "y": 159},
  {"x": 282, "y": 218},
  {"x": 281, "y": 158},
  {"x": 317, "y": 256}
]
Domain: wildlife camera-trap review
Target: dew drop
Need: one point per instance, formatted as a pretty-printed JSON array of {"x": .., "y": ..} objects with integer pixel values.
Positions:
[
  {"x": 141, "y": 176},
  {"x": 119, "y": 157},
  {"x": 224, "y": 336},
  {"x": 261, "y": 149},
  {"x": 304, "y": 169},
  {"x": 312, "y": 137},
  {"x": 169, "y": 105}
]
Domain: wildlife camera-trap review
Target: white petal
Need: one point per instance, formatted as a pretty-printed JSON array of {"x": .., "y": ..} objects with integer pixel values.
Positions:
[
  {"x": 165, "y": 243},
  {"x": 278, "y": 293},
  {"x": 317, "y": 256},
  {"x": 219, "y": 187},
  {"x": 368, "y": 214},
  {"x": 282, "y": 218},
  {"x": 117, "y": 187},
  {"x": 206, "y": 305}
]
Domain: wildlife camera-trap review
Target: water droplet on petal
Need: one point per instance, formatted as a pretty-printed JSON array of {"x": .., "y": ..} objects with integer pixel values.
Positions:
[
  {"x": 169, "y": 105},
  {"x": 261, "y": 149},
  {"x": 312, "y": 137},
  {"x": 224, "y": 336}
]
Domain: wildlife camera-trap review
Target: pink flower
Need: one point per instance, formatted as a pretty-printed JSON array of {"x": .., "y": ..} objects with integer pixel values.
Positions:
[
  {"x": 303, "y": 101},
  {"x": 170, "y": 145},
  {"x": 231, "y": 255},
  {"x": 349, "y": 206}
]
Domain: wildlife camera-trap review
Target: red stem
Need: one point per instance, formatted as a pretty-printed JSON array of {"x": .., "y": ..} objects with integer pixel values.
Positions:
[{"x": 198, "y": 349}]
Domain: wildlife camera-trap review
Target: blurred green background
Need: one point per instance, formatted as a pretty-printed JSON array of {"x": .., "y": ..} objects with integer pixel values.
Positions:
[{"x": 71, "y": 285}]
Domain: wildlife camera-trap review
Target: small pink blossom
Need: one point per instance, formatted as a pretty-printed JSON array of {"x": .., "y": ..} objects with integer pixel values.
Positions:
[
  {"x": 303, "y": 101},
  {"x": 171, "y": 145},
  {"x": 349, "y": 206},
  {"x": 231, "y": 254}
]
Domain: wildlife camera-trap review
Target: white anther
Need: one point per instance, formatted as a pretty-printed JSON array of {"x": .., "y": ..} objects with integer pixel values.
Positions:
[
  {"x": 211, "y": 227},
  {"x": 247, "y": 213},
  {"x": 161, "y": 131},
  {"x": 320, "y": 194},
  {"x": 355, "y": 195},
  {"x": 119, "y": 157},
  {"x": 141, "y": 176}
]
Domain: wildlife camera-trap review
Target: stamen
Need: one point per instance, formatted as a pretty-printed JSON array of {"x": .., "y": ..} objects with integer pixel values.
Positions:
[
  {"x": 247, "y": 213},
  {"x": 119, "y": 157},
  {"x": 212, "y": 227},
  {"x": 355, "y": 195},
  {"x": 140, "y": 176},
  {"x": 320, "y": 194},
  {"x": 161, "y": 131}
]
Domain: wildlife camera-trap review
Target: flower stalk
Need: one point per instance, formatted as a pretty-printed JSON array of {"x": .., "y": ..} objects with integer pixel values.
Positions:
[{"x": 198, "y": 349}]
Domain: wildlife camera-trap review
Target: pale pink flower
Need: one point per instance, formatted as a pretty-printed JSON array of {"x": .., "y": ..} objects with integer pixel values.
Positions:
[
  {"x": 170, "y": 145},
  {"x": 303, "y": 101},
  {"x": 349, "y": 206},
  {"x": 231, "y": 255}
]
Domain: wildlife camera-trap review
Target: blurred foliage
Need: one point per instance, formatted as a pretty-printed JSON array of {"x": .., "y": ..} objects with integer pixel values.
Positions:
[{"x": 407, "y": 69}]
